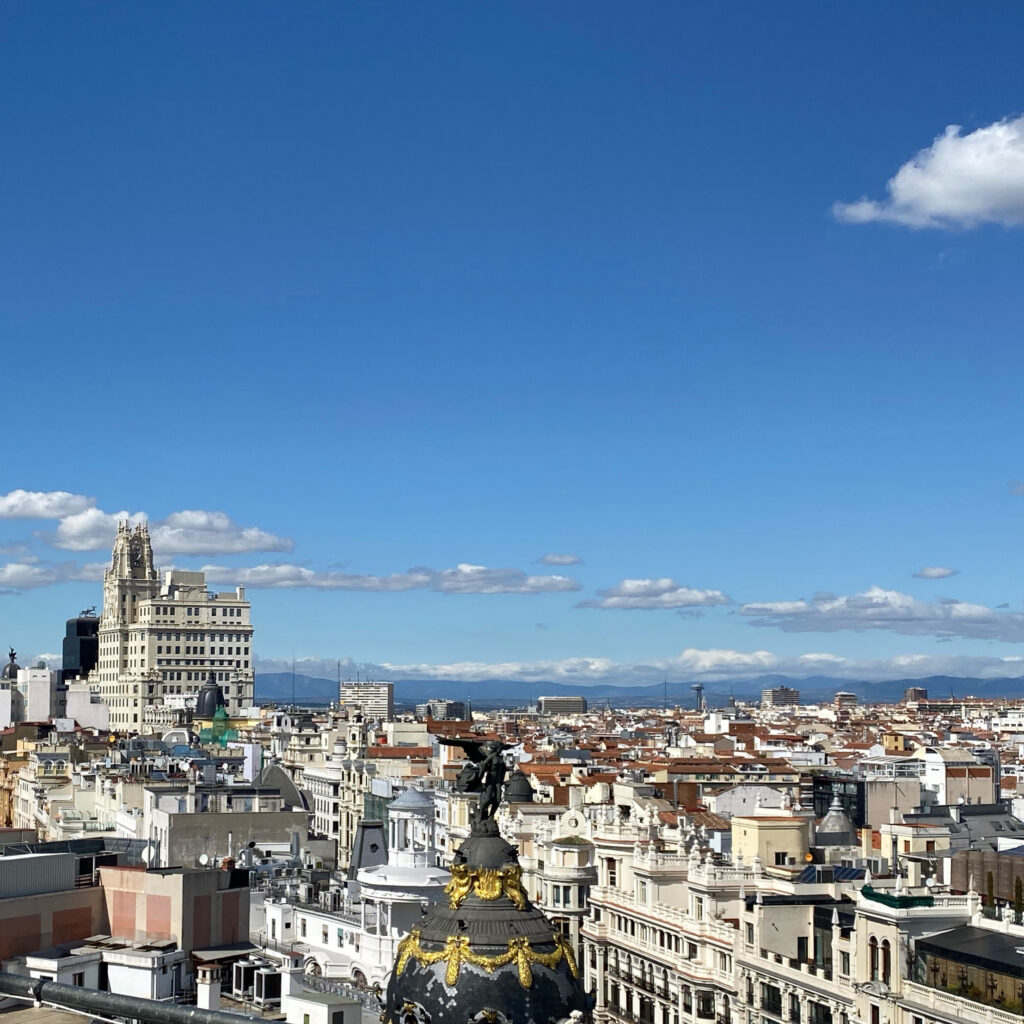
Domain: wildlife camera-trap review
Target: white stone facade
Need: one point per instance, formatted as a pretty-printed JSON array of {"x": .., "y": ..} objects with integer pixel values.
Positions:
[{"x": 162, "y": 638}]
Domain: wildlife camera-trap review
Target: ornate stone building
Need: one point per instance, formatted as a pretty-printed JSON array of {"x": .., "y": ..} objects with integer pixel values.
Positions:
[{"x": 162, "y": 637}]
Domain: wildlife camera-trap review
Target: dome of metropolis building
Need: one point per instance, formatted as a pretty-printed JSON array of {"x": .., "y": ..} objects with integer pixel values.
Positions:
[{"x": 485, "y": 954}]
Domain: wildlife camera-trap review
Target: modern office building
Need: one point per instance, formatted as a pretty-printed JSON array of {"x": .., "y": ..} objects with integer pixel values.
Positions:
[
  {"x": 442, "y": 710},
  {"x": 562, "y": 705},
  {"x": 915, "y": 693},
  {"x": 375, "y": 700},
  {"x": 780, "y": 696},
  {"x": 167, "y": 636},
  {"x": 81, "y": 645}
]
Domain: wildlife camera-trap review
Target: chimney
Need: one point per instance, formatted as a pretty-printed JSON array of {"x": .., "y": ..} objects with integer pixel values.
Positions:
[{"x": 208, "y": 987}]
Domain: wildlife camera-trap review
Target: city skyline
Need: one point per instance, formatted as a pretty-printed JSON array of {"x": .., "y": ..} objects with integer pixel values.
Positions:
[{"x": 524, "y": 342}]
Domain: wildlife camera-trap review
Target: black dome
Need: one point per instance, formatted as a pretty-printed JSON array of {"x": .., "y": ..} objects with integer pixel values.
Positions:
[
  {"x": 10, "y": 670},
  {"x": 518, "y": 790},
  {"x": 485, "y": 953},
  {"x": 211, "y": 697}
]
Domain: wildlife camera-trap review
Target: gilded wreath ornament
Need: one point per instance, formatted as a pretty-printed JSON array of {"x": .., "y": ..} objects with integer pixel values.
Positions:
[
  {"x": 456, "y": 952},
  {"x": 487, "y": 883}
]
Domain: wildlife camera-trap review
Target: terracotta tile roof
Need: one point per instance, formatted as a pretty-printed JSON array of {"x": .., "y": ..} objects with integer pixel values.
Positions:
[{"x": 391, "y": 753}]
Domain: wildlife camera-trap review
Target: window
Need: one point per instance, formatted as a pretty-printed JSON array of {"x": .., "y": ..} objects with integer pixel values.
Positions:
[
  {"x": 844, "y": 963},
  {"x": 78, "y": 978},
  {"x": 873, "y": 961},
  {"x": 818, "y": 1013},
  {"x": 302, "y": 927},
  {"x": 750, "y": 933},
  {"x": 780, "y": 859},
  {"x": 323, "y": 934},
  {"x": 886, "y": 963},
  {"x": 698, "y": 908},
  {"x": 794, "y": 1008},
  {"x": 771, "y": 999},
  {"x": 706, "y": 1005}
]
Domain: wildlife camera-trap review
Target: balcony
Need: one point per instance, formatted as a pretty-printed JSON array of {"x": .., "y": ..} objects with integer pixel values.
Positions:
[
  {"x": 939, "y": 1001},
  {"x": 581, "y": 875}
]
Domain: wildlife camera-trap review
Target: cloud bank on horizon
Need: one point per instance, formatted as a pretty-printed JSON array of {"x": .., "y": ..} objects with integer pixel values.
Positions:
[
  {"x": 83, "y": 526},
  {"x": 689, "y": 664},
  {"x": 959, "y": 181}
]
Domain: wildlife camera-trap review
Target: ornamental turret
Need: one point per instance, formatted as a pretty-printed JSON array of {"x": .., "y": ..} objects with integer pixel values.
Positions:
[{"x": 485, "y": 953}]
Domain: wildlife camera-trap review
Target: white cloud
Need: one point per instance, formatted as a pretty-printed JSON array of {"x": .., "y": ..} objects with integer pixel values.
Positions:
[
  {"x": 692, "y": 664},
  {"x": 91, "y": 529},
  {"x": 553, "y": 559},
  {"x": 18, "y": 576},
  {"x": 463, "y": 579},
  {"x": 198, "y": 532},
  {"x": 21, "y": 504},
  {"x": 189, "y": 532},
  {"x": 876, "y": 608},
  {"x": 52, "y": 661},
  {"x": 935, "y": 572},
  {"x": 478, "y": 579},
  {"x": 647, "y": 594},
  {"x": 285, "y": 576},
  {"x": 958, "y": 181}
]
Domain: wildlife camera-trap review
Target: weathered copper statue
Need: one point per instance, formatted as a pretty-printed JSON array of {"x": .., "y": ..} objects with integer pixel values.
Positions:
[{"x": 485, "y": 774}]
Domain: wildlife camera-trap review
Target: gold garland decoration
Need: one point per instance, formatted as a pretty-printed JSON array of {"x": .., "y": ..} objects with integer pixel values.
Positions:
[
  {"x": 487, "y": 883},
  {"x": 456, "y": 952}
]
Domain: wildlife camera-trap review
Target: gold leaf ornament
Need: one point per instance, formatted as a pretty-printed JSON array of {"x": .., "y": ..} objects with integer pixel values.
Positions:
[
  {"x": 487, "y": 883},
  {"x": 456, "y": 952}
]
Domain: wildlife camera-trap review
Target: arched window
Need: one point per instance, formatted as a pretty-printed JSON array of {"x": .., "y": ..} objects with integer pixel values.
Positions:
[
  {"x": 886, "y": 961},
  {"x": 873, "y": 957}
]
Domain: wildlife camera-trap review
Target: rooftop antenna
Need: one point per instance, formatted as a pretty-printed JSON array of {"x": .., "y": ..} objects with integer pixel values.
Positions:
[
  {"x": 293, "y": 680},
  {"x": 666, "y": 692}
]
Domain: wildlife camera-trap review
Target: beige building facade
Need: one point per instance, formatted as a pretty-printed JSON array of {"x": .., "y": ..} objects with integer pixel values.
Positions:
[{"x": 161, "y": 637}]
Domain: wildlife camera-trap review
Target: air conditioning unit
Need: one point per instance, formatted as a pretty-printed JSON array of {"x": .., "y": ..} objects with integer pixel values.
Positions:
[{"x": 307, "y": 892}]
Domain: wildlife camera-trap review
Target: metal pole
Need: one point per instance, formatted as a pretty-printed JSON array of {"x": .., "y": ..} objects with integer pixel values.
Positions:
[{"x": 111, "y": 1004}]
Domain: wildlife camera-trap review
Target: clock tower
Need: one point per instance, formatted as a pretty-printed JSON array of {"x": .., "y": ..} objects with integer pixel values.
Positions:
[{"x": 161, "y": 639}]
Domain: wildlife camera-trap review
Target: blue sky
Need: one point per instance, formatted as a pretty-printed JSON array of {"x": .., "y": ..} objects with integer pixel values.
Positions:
[{"x": 403, "y": 287}]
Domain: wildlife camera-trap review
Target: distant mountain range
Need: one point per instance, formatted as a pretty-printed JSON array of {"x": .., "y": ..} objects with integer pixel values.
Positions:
[{"x": 277, "y": 686}]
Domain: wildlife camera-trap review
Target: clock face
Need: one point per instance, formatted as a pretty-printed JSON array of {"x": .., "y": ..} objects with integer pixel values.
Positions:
[{"x": 135, "y": 553}]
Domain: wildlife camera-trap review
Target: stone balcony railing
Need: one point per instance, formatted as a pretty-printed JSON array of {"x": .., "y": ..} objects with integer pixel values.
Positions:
[
  {"x": 955, "y": 1006},
  {"x": 581, "y": 875},
  {"x": 663, "y": 913}
]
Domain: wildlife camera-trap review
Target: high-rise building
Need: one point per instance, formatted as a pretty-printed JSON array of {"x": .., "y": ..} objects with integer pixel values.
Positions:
[
  {"x": 915, "y": 693},
  {"x": 562, "y": 705},
  {"x": 163, "y": 637},
  {"x": 442, "y": 710},
  {"x": 81, "y": 646},
  {"x": 779, "y": 696},
  {"x": 375, "y": 700}
]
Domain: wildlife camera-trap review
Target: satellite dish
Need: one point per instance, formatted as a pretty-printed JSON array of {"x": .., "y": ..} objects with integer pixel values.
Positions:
[
  {"x": 147, "y": 854},
  {"x": 204, "y": 859},
  {"x": 929, "y": 881}
]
